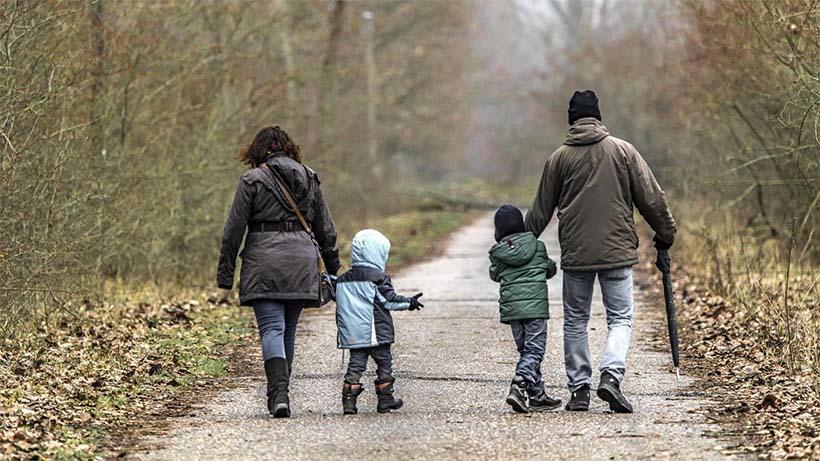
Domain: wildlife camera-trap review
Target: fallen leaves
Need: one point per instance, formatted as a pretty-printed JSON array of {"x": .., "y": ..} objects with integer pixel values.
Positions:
[
  {"x": 64, "y": 391},
  {"x": 767, "y": 403}
]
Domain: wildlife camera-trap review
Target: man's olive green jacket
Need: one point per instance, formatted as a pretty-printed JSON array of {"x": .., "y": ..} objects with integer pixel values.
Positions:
[{"x": 593, "y": 181}]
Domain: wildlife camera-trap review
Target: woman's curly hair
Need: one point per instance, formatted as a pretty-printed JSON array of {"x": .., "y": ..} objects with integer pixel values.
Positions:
[{"x": 270, "y": 141}]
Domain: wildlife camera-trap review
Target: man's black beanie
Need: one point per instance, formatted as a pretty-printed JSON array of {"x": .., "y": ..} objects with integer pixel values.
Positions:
[
  {"x": 508, "y": 221},
  {"x": 583, "y": 104}
]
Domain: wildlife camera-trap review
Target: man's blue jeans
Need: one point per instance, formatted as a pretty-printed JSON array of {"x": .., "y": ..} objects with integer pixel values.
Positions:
[
  {"x": 616, "y": 290},
  {"x": 531, "y": 342}
]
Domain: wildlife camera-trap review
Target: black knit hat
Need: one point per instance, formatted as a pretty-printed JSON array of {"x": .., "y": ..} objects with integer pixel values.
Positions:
[
  {"x": 583, "y": 104},
  {"x": 508, "y": 221}
]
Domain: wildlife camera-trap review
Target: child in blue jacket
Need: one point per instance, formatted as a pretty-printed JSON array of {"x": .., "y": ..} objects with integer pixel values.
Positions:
[{"x": 364, "y": 299}]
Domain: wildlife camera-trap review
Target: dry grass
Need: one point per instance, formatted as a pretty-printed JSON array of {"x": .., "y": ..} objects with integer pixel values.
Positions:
[
  {"x": 771, "y": 283},
  {"x": 750, "y": 329},
  {"x": 99, "y": 371}
]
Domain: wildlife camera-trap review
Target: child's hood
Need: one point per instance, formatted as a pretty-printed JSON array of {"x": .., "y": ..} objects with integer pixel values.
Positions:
[
  {"x": 370, "y": 248},
  {"x": 515, "y": 250}
]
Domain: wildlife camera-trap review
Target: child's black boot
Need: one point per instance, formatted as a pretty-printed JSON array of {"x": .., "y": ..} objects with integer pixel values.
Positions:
[
  {"x": 540, "y": 401},
  {"x": 350, "y": 393},
  {"x": 579, "y": 400},
  {"x": 609, "y": 389},
  {"x": 387, "y": 401},
  {"x": 517, "y": 398}
]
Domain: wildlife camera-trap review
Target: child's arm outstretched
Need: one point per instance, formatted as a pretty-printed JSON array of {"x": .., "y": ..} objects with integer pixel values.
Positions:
[{"x": 393, "y": 301}]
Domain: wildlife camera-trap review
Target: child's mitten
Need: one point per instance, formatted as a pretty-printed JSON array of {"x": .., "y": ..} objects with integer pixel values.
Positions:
[{"x": 414, "y": 302}]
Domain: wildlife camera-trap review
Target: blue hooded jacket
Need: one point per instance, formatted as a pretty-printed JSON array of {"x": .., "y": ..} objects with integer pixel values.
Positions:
[{"x": 365, "y": 295}]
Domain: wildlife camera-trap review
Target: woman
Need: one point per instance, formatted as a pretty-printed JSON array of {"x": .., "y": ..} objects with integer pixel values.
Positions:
[{"x": 279, "y": 273}]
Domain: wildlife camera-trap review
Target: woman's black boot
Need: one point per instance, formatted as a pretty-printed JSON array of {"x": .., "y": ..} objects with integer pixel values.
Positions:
[
  {"x": 387, "y": 401},
  {"x": 270, "y": 374},
  {"x": 350, "y": 393},
  {"x": 278, "y": 374}
]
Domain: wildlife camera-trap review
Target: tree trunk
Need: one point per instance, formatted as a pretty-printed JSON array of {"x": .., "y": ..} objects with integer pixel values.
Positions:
[
  {"x": 370, "y": 63},
  {"x": 283, "y": 26},
  {"x": 98, "y": 152}
]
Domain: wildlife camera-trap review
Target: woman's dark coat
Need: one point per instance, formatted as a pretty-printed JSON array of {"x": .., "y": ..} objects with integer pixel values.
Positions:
[{"x": 279, "y": 265}]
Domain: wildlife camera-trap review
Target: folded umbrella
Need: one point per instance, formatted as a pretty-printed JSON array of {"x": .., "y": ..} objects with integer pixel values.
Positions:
[{"x": 671, "y": 321}]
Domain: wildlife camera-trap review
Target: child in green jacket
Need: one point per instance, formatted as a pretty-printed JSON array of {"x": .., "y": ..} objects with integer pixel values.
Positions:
[{"x": 519, "y": 262}]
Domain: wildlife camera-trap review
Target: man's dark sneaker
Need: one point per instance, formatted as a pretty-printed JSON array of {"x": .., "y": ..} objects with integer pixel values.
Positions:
[
  {"x": 517, "y": 397},
  {"x": 542, "y": 402},
  {"x": 350, "y": 393},
  {"x": 579, "y": 401},
  {"x": 609, "y": 390},
  {"x": 387, "y": 402}
]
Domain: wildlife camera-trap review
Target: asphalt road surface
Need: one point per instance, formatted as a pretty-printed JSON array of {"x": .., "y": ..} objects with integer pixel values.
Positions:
[{"x": 453, "y": 362}]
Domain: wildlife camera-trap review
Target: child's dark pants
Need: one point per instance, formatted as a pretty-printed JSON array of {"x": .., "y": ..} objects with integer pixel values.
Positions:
[
  {"x": 358, "y": 363},
  {"x": 531, "y": 342}
]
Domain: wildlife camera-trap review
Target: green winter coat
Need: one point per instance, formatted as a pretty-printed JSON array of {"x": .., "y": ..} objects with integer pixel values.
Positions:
[{"x": 519, "y": 262}]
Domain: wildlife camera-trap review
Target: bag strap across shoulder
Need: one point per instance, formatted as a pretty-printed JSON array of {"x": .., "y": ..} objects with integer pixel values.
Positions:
[
  {"x": 291, "y": 201},
  {"x": 295, "y": 208}
]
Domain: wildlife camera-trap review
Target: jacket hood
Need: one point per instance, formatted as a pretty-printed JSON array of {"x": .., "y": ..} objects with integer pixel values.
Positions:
[
  {"x": 515, "y": 250},
  {"x": 586, "y": 131},
  {"x": 370, "y": 248},
  {"x": 296, "y": 178}
]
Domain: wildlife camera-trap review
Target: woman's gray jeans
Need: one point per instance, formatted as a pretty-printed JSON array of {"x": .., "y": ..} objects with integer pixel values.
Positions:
[
  {"x": 616, "y": 290},
  {"x": 277, "y": 327}
]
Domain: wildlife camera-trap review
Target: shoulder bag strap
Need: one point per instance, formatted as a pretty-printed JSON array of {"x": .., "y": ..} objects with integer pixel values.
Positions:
[
  {"x": 291, "y": 201},
  {"x": 295, "y": 208}
]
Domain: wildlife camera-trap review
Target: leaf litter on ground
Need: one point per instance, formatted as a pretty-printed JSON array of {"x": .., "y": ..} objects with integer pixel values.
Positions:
[
  {"x": 764, "y": 406},
  {"x": 69, "y": 391}
]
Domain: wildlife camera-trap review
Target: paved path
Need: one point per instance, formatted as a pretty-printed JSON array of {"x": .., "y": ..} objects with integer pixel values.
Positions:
[{"x": 454, "y": 361}]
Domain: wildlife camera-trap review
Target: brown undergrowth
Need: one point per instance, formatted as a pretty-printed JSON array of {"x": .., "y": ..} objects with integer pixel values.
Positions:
[
  {"x": 90, "y": 384},
  {"x": 754, "y": 357},
  {"x": 66, "y": 393}
]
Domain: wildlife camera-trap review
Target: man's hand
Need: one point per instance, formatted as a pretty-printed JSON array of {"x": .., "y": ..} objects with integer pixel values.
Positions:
[
  {"x": 414, "y": 302},
  {"x": 660, "y": 244},
  {"x": 662, "y": 262}
]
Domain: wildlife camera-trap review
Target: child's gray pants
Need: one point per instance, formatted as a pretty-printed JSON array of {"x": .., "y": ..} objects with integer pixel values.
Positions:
[
  {"x": 531, "y": 342},
  {"x": 358, "y": 363}
]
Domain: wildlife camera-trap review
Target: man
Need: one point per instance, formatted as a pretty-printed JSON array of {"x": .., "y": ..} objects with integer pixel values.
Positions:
[{"x": 593, "y": 180}]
